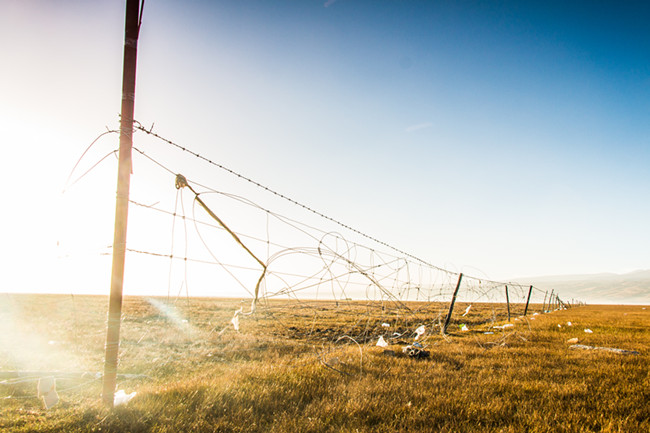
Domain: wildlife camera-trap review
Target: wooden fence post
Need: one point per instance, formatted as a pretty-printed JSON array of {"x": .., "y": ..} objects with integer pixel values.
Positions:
[
  {"x": 508, "y": 302},
  {"x": 544, "y": 304},
  {"x": 530, "y": 292},
  {"x": 451, "y": 306}
]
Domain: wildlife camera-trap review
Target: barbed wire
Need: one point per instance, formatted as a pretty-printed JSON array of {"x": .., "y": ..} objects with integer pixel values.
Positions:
[{"x": 139, "y": 127}]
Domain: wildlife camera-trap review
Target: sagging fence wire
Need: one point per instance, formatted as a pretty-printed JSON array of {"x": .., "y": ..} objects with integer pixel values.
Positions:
[
  {"x": 393, "y": 278},
  {"x": 320, "y": 282}
]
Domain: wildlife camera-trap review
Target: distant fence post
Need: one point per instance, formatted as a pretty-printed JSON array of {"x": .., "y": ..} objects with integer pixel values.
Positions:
[
  {"x": 530, "y": 291},
  {"x": 453, "y": 301},
  {"x": 550, "y": 300},
  {"x": 544, "y": 304},
  {"x": 508, "y": 302}
]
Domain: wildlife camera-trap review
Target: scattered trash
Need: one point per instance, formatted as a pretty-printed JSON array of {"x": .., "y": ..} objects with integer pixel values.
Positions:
[
  {"x": 535, "y": 314},
  {"x": 415, "y": 352},
  {"x": 464, "y": 327},
  {"x": 122, "y": 398},
  {"x": 418, "y": 345},
  {"x": 505, "y": 326},
  {"x": 382, "y": 342},
  {"x": 46, "y": 389},
  {"x": 559, "y": 326},
  {"x": 488, "y": 332},
  {"x": 606, "y": 349},
  {"x": 568, "y": 324},
  {"x": 235, "y": 322},
  {"x": 589, "y": 331},
  {"x": 386, "y": 325},
  {"x": 572, "y": 341},
  {"x": 235, "y": 319},
  {"x": 467, "y": 311},
  {"x": 419, "y": 331}
]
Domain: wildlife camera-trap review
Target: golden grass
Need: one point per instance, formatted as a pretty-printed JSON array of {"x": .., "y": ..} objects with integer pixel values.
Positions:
[{"x": 285, "y": 371}]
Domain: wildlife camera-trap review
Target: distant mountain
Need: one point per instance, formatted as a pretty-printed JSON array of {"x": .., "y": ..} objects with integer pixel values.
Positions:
[{"x": 605, "y": 288}]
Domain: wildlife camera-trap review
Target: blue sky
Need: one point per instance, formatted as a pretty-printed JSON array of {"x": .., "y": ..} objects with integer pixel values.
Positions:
[{"x": 507, "y": 139}]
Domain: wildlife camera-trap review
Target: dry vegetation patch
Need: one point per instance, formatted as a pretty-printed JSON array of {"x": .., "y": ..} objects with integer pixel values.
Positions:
[{"x": 292, "y": 368}]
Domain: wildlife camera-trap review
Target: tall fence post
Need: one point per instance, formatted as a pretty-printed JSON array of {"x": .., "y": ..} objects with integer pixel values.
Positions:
[
  {"x": 131, "y": 32},
  {"x": 530, "y": 292},
  {"x": 508, "y": 302},
  {"x": 544, "y": 304},
  {"x": 451, "y": 306}
]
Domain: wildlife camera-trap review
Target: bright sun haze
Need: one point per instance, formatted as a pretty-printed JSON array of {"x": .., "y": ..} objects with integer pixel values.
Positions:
[{"x": 501, "y": 140}]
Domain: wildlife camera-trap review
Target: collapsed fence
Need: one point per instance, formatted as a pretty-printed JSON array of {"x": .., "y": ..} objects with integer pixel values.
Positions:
[
  {"x": 261, "y": 264},
  {"x": 307, "y": 257}
]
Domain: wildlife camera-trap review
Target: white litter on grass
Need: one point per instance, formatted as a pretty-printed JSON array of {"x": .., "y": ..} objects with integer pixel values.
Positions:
[
  {"x": 568, "y": 323},
  {"x": 606, "y": 349},
  {"x": 419, "y": 331},
  {"x": 122, "y": 398},
  {"x": 464, "y": 328},
  {"x": 588, "y": 331},
  {"x": 559, "y": 326},
  {"x": 467, "y": 310},
  {"x": 505, "y": 326},
  {"x": 386, "y": 325},
  {"x": 46, "y": 389},
  {"x": 235, "y": 319},
  {"x": 382, "y": 342},
  {"x": 488, "y": 333},
  {"x": 536, "y": 314}
]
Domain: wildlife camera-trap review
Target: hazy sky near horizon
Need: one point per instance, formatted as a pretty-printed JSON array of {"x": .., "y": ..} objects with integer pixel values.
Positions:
[{"x": 501, "y": 139}]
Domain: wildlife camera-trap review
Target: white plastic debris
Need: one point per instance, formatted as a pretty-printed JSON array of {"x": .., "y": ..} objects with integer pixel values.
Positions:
[
  {"x": 559, "y": 326},
  {"x": 606, "y": 349},
  {"x": 381, "y": 342},
  {"x": 235, "y": 319},
  {"x": 122, "y": 398},
  {"x": 568, "y": 324},
  {"x": 386, "y": 325},
  {"x": 488, "y": 333},
  {"x": 235, "y": 322},
  {"x": 464, "y": 328},
  {"x": 505, "y": 326},
  {"x": 46, "y": 389},
  {"x": 419, "y": 331},
  {"x": 589, "y": 331},
  {"x": 467, "y": 310},
  {"x": 535, "y": 314}
]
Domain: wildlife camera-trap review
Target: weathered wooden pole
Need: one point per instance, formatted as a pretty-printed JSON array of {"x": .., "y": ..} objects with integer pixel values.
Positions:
[
  {"x": 131, "y": 31},
  {"x": 508, "y": 302},
  {"x": 530, "y": 292},
  {"x": 451, "y": 306},
  {"x": 544, "y": 304},
  {"x": 550, "y": 300}
]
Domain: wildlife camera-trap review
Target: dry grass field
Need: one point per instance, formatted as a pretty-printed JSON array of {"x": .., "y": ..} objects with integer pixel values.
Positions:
[{"x": 297, "y": 367}]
